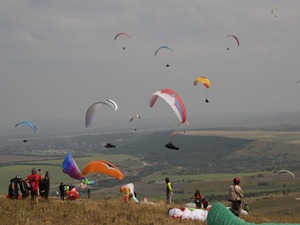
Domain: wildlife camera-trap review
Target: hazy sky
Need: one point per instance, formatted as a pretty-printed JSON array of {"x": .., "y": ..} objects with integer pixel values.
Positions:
[{"x": 58, "y": 57}]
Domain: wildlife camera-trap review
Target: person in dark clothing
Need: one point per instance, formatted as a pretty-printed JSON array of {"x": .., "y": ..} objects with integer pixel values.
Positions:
[
  {"x": 89, "y": 193},
  {"x": 198, "y": 199},
  {"x": 62, "y": 191}
]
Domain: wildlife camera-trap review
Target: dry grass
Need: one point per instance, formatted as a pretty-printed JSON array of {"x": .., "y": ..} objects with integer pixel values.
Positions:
[
  {"x": 90, "y": 211},
  {"x": 274, "y": 218},
  {"x": 84, "y": 211}
]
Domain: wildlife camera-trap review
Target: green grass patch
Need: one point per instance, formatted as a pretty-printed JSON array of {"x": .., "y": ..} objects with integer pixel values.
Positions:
[
  {"x": 198, "y": 177},
  {"x": 54, "y": 168}
]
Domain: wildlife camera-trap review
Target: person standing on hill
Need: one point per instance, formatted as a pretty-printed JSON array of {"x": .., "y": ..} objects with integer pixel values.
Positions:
[
  {"x": 169, "y": 191},
  {"x": 62, "y": 191},
  {"x": 88, "y": 193},
  {"x": 34, "y": 179},
  {"x": 235, "y": 196}
]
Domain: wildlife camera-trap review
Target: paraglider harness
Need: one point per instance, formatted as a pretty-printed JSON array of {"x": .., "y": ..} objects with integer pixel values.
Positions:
[
  {"x": 16, "y": 184},
  {"x": 170, "y": 145},
  {"x": 109, "y": 145}
]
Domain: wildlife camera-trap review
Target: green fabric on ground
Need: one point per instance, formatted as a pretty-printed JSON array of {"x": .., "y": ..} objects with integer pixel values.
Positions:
[{"x": 220, "y": 215}]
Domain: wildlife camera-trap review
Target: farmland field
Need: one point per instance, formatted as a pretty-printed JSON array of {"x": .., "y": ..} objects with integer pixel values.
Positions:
[{"x": 254, "y": 156}]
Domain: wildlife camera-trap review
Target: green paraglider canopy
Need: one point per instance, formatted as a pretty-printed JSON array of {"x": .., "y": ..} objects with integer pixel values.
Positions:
[{"x": 220, "y": 215}]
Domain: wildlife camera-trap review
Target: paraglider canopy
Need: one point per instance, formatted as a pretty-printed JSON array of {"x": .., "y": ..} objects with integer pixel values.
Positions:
[
  {"x": 122, "y": 33},
  {"x": 135, "y": 117},
  {"x": 236, "y": 39},
  {"x": 30, "y": 124},
  {"x": 286, "y": 171},
  {"x": 163, "y": 47},
  {"x": 70, "y": 167},
  {"x": 90, "y": 113},
  {"x": 104, "y": 167},
  {"x": 204, "y": 80},
  {"x": 173, "y": 99}
]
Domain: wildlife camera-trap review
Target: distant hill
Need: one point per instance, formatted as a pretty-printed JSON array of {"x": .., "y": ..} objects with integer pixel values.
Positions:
[{"x": 194, "y": 154}]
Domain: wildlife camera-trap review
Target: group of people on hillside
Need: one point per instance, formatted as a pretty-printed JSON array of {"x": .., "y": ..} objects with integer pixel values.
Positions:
[
  {"x": 235, "y": 197},
  {"x": 235, "y": 192},
  {"x": 64, "y": 190},
  {"x": 36, "y": 185},
  {"x": 200, "y": 200}
]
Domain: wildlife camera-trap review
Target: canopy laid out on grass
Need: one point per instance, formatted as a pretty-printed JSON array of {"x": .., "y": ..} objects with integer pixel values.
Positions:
[{"x": 220, "y": 215}]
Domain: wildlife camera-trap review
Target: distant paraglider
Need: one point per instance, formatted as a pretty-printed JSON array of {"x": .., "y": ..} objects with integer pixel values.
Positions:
[
  {"x": 135, "y": 117},
  {"x": 109, "y": 145},
  {"x": 170, "y": 145},
  {"x": 93, "y": 108},
  {"x": 274, "y": 12},
  {"x": 177, "y": 132},
  {"x": 30, "y": 124},
  {"x": 205, "y": 81},
  {"x": 236, "y": 39},
  {"x": 163, "y": 47},
  {"x": 122, "y": 33},
  {"x": 173, "y": 99},
  {"x": 286, "y": 171}
]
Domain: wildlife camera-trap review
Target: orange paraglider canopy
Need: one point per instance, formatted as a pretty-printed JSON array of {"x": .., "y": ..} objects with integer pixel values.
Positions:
[{"x": 102, "y": 166}]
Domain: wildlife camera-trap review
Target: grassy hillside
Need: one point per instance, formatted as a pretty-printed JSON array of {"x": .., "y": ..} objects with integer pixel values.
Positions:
[
  {"x": 90, "y": 211},
  {"x": 207, "y": 162}
]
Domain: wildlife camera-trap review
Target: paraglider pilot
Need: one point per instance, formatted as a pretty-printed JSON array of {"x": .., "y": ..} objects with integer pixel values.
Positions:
[
  {"x": 235, "y": 196},
  {"x": 169, "y": 191},
  {"x": 198, "y": 199},
  {"x": 34, "y": 179}
]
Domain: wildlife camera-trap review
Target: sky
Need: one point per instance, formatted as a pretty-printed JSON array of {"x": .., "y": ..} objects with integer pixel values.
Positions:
[{"x": 58, "y": 57}]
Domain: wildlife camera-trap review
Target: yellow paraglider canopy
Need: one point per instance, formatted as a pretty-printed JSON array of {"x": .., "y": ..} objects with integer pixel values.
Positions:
[{"x": 204, "y": 80}]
